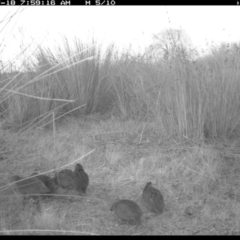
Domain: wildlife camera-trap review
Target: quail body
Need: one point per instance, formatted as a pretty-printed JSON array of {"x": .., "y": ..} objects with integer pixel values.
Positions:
[
  {"x": 153, "y": 199},
  {"x": 65, "y": 179},
  {"x": 49, "y": 182},
  {"x": 81, "y": 178},
  {"x": 128, "y": 211},
  {"x": 29, "y": 186}
]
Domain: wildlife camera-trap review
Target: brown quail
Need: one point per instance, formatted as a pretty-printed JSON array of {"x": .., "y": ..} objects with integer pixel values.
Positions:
[
  {"x": 153, "y": 199},
  {"x": 128, "y": 211},
  {"x": 29, "y": 186},
  {"x": 65, "y": 179},
  {"x": 48, "y": 181},
  {"x": 82, "y": 179}
]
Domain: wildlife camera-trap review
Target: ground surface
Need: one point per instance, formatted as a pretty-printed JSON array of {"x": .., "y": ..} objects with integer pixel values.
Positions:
[{"x": 199, "y": 182}]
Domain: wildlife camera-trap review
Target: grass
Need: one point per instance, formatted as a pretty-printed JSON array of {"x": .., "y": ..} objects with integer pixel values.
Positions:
[
  {"x": 197, "y": 183},
  {"x": 128, "y": 120}
]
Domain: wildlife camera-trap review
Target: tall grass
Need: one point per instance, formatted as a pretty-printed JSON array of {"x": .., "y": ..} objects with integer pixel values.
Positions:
[{"x": 188, "y": 99}]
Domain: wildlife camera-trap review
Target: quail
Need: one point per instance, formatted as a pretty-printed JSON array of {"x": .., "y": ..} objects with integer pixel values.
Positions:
[
  {"x": 128, "y": 211},
  {"x": 48, "y": 181},
  {"x": 153, "y": 199},
  {"x": 29, "y": 186},
  {"x": 81, "y": 178},
  {"x": 65, "y": 179}
]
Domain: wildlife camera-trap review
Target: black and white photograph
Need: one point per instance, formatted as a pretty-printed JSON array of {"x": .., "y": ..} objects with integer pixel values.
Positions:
[{"x": 119, "y": 120}]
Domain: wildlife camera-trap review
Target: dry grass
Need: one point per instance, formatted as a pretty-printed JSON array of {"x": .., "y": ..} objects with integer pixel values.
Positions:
[
  {"x": 199, "y": 186},
  {"x": 128, "y": 120}
]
